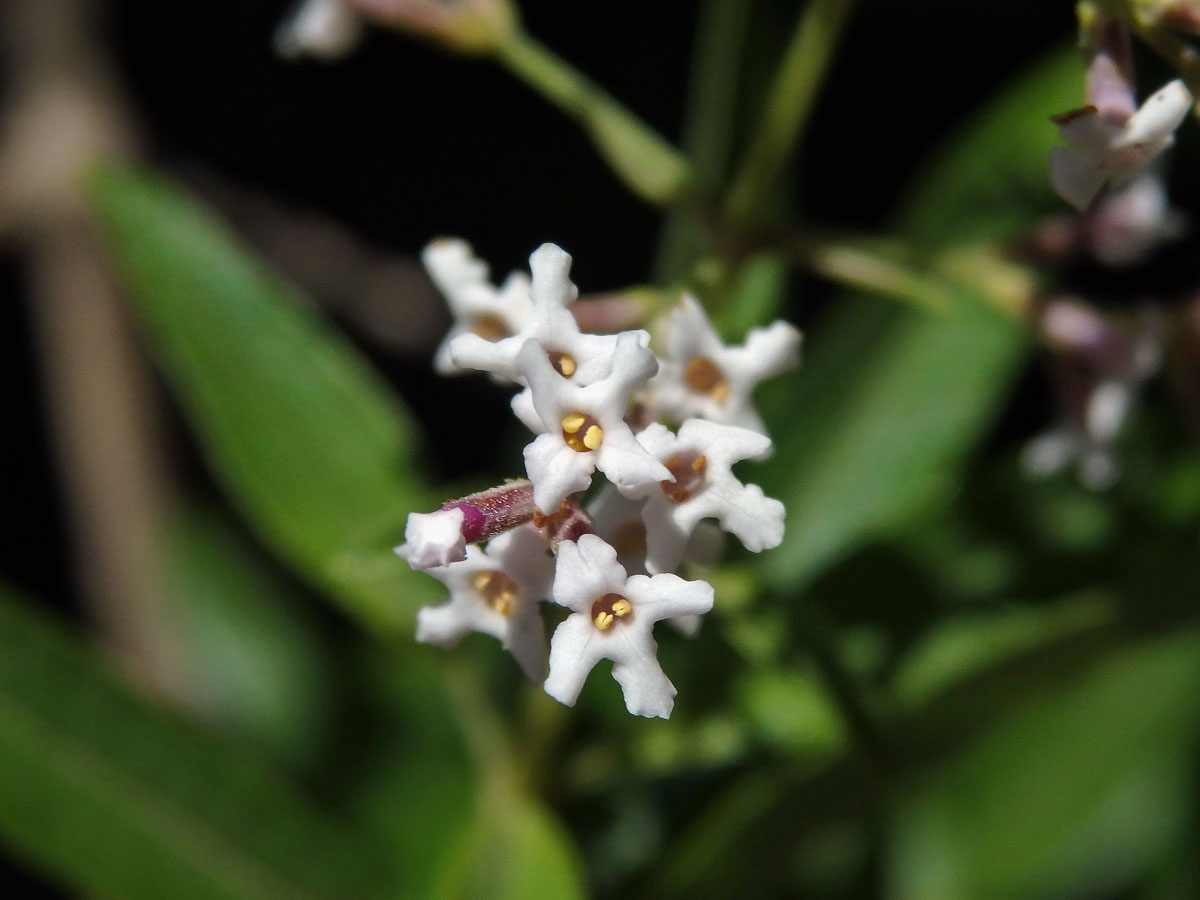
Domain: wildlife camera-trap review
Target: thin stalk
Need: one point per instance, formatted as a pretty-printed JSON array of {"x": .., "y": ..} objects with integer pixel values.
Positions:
[
  {"x": 789, "y": 105},
  {"x": 643, "y": 159}
]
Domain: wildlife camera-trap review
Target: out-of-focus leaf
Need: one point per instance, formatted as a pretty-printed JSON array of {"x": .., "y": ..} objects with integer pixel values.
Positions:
[
  {"x": 115, "y": 798},
  {"x": 1076, "y": 789},
  {"x": 247, "y": 657},
  {"x": 875, "y": 425},
  {"x": 962, "y": 646},
  {"x": 513, "y": 850},
  {"x": 304, "y": 437}
]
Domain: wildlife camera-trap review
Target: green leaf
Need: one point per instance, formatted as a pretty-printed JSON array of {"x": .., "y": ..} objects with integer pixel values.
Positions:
[
  {"x": 877, "y": 422},
  {"x": 1071, "y": 794},
  {"x": 306, "y": 440},
  {"x": 513, "y": 850},
  {"x": 114, "y": 797},
  {"x": 249, "y": 658}
]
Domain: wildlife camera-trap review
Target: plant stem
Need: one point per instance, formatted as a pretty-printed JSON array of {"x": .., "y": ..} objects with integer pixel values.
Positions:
[
  {"x": 790, "y": 102},
  {"x": 643, "y": 159}
]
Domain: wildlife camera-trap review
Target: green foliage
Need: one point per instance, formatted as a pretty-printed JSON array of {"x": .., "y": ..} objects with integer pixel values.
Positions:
[
  {"x": 876, "y": 424},
  {"x": 308, "y": 443},
  {"x": 114, "y": 796}
]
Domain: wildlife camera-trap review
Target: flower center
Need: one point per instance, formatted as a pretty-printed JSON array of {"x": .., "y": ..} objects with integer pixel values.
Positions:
[
  {"x": 703, "y": 376},
  {"x": 607, "y": 609},
  {"x": 564, "y": 363},
  {"x": 490, "y": 328},
  {"x": 581, "y": 432},
  {"x": 498, "y": 591},
  {"x": 689, "y": 471}
]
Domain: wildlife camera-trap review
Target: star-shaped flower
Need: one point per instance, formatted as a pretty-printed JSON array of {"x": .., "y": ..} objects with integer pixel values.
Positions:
[
  {"x": 480, "y": 310},
  {"x": 1108, "y": 146},
  {"x": 701, "y": 458},
  {"x": 585, "y": 425},
  {"x": 613, "y": 617},
  {"x": 581, "y": 358},
  {"x": 496, "y": 591},
  {"x": 702, "y": 377}
]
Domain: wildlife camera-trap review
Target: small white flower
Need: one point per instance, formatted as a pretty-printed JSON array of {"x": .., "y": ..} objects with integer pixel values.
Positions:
[
  {"x": 480, "y": 310},
  {"x": 581, "y": 358},
  {"x": 324, "y": 29},
  {"x": 1129, "y": 223},
  {"x": 1107, "y": 147},
  {"x": 496, "y": 591},
  {"x": 433, "y": 539},
  {"x": 585, "y": 425},
  {"x": 613, "y": 617},
  {"x": 701, "y": 458},
  {"x": 702, "y": 377}
]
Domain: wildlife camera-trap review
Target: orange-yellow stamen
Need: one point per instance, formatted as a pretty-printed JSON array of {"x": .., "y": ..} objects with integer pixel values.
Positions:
[
  {"x": 490, "y": 328},
  {"x": 498, "y": 590},
  {"x": 607, "y": 609},
  {"x": 564, "y": 363},
  {"x": 581, "y": 432},
  {"x": 703, "y": 376},
  {"x": 689, "y": 471}
]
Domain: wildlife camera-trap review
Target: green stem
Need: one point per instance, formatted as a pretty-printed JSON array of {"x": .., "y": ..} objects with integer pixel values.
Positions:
[
  {"x": 709, "y": 124},
  {"x": 788, "y": 107},
  {"x": 644, "y": 160}
]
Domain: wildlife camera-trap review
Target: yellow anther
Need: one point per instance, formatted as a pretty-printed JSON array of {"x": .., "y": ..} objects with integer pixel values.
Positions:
[
  {"x": 703, "y": 376},
  {"x": 564, "y": 363},
  {"x": 607, "y": 609},
  {"x": 498, "y": 591},
  {"x": 581, "y": 432}
]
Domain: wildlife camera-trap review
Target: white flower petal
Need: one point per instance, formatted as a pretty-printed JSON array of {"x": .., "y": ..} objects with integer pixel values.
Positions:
[
  {"x": 324, "y": 29},
  {"x": 626, "y": 462},
  {"x": 648, "y": 692},
  {"x": 664, "y": 596},
  {"x": 586, "y": 569},
  {"x": 1156, "y": 120},
  {"x": 556, "y": 470},
  {"x": 575, "y": 649}
]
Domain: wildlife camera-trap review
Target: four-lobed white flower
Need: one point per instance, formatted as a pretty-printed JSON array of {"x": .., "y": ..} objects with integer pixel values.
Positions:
[
  {"x": 1107, "y": 147},
  {"x": 585, "y": 425},
  {"x": 612, "y": 617},
  {"x": 497, "y": 591},
  {"x": 480, "y": 310},
  {"x": 701, "y": 459},
  {"x": 702, "y": 377}
]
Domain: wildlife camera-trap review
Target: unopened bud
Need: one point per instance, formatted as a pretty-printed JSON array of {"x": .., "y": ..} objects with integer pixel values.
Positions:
[{"x": 467, "y": 26}]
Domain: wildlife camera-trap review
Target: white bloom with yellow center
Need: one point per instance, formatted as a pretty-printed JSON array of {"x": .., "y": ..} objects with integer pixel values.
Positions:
[
  {"x": 701, "y": 459},
  {"x": 703, "y": 377},
  {"x": 612, "y": 617},
  {"x": 575, "y": 356},
  {"x": 585, "y": 425},
  {"x": 480, "y": 310},
  {"x": 496, "y": 591}
]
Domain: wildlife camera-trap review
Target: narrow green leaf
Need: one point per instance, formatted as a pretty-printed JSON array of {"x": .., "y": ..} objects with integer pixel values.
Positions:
[
  {"x": 513, "y": 850},
  {"x": 305, "y": 438},
  {"x": 877, "y": 422},
  {"x": 1071, "y": 794},
  {"x": 248, "y": 656},
  {"x": 114, "y": 797}
]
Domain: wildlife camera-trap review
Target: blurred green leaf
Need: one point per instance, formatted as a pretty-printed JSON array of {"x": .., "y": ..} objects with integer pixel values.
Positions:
[
  {"x": 306, "y": 440},
  {"x": 116, "y": 798},
  {"x": 876, "y": 424},
  {"x": 1075, "y": 790},
  {"x": 249, "y": 658},
  {"x": 513, "y": 850}
]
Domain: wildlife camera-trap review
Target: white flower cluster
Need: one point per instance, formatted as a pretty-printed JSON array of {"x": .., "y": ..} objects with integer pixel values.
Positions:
[{"x": 593, "y": 402}]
